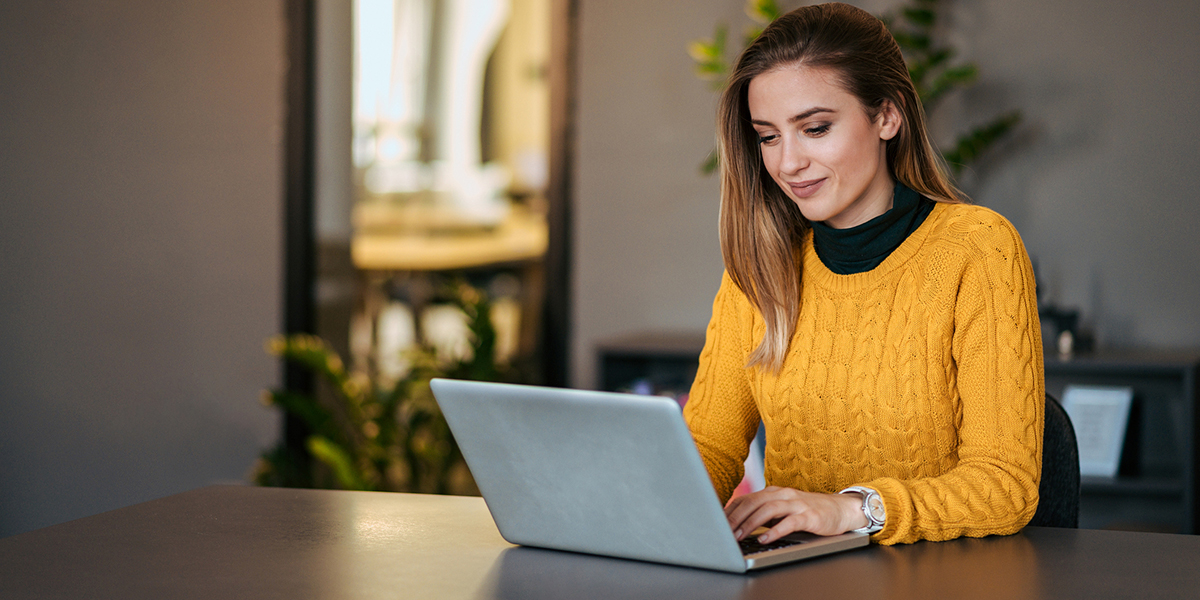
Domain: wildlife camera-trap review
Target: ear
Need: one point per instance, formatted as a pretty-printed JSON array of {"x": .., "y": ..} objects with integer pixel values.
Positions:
[{"x": 888, "y": 120}]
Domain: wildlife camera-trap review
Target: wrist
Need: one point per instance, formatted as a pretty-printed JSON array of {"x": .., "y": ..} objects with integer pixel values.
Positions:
[
  {"x": 852, "y": 509},
  {"x": 872, "y": 507}
]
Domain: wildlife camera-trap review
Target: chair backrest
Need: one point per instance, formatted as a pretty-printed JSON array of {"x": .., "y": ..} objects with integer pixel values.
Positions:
[{"x": 1059, "y": 489}]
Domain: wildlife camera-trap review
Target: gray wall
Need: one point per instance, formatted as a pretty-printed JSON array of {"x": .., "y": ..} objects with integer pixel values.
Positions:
[
  {"x": 334, "y": 90},
  {"x": 1100, "y": 180},
  {"x": 140, "y": 264}
]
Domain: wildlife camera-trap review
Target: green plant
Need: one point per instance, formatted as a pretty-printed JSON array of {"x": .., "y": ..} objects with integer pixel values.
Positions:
[
  {"x": 931, "y": 66},
  {"x": 377, "y": 436}
]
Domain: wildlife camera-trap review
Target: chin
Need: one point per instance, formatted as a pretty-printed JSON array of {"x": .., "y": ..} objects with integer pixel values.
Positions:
[{"x": 814, "y": 213}]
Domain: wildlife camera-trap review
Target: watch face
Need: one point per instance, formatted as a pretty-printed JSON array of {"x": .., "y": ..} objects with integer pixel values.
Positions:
[{"x": 875, "y": 503}]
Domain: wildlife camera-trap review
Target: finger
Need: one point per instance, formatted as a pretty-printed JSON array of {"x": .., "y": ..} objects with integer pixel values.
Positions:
[
  {"x": 791, "y": 524},
  {"x": 734, "y": 503},
  {"x": 736, "y": 517},
  {"x": 819, "y": 518},
  {"x": 739, "y": 500},
  {"x": 737, "y": 509},
  {"x": 737, "y": 513},
  {"x": 749, "y": 501},
  {"x": 769, "y": 513}
]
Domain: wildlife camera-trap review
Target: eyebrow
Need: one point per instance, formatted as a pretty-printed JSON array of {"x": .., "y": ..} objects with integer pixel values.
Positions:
[{"x": 800, "y": 117}]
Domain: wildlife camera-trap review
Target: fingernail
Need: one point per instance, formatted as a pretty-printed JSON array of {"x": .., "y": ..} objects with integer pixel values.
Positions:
[
  {"x": 737, "y": 534},
  {"x": 762, "y": 539}
]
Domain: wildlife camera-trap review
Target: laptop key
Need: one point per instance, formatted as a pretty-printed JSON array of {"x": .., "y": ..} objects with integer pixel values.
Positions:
[{"x": 750, "y": 545}]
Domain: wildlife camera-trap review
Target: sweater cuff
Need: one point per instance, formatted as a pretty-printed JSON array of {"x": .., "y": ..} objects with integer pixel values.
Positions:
[{"x": 899, "y": 507}]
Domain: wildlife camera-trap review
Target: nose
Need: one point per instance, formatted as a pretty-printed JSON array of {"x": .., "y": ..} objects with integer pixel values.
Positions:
[{"x": 793, "y": 158}]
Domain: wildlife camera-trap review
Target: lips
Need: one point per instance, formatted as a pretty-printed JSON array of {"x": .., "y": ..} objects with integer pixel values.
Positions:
[{"x": 804, "y": 189}]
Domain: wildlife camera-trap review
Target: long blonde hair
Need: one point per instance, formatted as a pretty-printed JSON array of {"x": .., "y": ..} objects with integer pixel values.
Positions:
[{"x": 761, "y": 228}]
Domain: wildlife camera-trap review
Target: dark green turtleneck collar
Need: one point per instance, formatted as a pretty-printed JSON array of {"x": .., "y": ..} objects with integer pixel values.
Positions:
[{"x": 862, "y": 247}]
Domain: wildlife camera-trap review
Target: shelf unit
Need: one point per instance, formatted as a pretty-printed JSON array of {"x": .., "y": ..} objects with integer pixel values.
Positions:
[
  {"x": 1157, "y": 488},
  {"x": 664, "y": 362}
]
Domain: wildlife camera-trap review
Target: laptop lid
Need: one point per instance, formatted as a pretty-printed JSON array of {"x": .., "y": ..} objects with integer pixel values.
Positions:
[{"x": 595, "y": 472}]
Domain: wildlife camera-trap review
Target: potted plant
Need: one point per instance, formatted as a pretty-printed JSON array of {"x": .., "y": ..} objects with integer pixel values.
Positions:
[{"x": 377, "y": 435}]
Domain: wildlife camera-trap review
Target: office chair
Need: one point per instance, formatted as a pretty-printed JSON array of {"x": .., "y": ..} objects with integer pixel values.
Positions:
[{"x": 1059, "y": 489}]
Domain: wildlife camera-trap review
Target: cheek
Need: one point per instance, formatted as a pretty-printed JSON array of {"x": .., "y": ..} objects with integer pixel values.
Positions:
[
  {"x": 865, "y": 151},
  {"x": 771, "y": 158},
  {"x": 841, "y": 152},
  {"x": 852, "y": 161}
]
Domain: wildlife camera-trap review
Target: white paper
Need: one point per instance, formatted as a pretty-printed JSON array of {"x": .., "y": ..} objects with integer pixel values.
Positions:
[{"x": 1099, "y": 415}]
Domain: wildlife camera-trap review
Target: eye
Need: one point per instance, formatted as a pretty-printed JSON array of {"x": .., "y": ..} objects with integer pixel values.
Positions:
[
  {"x": 767, "y": 139},
  {"x": 817, "y": 130}
]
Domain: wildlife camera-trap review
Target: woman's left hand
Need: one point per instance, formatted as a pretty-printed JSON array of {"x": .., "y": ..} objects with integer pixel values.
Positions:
[{"x": 786, "y": 510}]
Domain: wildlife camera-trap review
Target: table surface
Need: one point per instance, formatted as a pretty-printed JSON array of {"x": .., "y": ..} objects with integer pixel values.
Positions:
[
  {"x": 247, "y": 542},
  {"x": 522, "y": 236}
]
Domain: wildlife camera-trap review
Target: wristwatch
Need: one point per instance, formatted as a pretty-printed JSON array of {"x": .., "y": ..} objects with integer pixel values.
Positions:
[{"x": 872, "y": 507}]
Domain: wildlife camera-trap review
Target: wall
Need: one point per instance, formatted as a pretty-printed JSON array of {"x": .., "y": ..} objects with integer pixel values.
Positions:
[
  {"x": 334, "y": 91},
  {"x": 1100, "y": 179},
  {"x": 140, "y": 264}
]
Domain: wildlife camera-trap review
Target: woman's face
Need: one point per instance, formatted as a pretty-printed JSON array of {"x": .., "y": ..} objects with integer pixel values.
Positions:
[{"x": 821, "y": 147}]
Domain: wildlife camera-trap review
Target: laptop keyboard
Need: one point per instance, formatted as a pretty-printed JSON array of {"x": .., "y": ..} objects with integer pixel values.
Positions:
[{"x": 750, "y": 544}]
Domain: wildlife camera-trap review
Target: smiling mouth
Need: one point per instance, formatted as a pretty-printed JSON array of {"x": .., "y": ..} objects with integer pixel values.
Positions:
[{"x": 804, "y": 189}]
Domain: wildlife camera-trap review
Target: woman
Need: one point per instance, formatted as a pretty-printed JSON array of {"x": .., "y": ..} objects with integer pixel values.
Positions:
[{"x": 883, "y": 331}]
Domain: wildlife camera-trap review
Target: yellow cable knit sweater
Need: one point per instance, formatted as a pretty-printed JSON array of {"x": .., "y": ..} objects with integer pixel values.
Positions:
[{"x": 922, "y": 379}]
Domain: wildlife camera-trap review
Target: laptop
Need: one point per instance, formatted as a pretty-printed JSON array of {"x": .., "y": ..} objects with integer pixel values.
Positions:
[{"x": 603, "y": 473}]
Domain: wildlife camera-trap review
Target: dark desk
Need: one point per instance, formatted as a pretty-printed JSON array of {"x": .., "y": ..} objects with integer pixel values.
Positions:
[{"x": 245, "y": 542}]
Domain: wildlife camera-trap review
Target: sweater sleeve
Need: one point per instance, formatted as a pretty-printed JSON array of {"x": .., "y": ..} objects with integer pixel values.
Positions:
[
  {"x": 720, "y": 411},
  {"x": 997, "y": 365}
]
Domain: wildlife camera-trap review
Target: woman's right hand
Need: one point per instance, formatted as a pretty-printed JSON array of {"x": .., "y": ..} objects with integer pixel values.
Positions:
[{"x": 787, "y": 510}]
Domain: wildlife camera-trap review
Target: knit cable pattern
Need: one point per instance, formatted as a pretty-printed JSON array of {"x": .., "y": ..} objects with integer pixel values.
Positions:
[{"x": 922, "y": 379}]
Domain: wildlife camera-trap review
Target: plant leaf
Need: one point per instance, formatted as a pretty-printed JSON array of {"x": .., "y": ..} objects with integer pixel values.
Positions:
[
  {"x": 927, "y": 63},
  {"x": 709, "y": 55},
  {"x": 948, "y": 80},
  {"x": 750, "y": 35},
  {"x": 305, "y": 408},
  {"x": 339, "y": 461},
  {"x": 921, "y": 17},
  {"x": 763, "y": 11},
  {"x": 703, "y": 50},
  {"x": 711, "y": 162},
  {"x": 911, "y": 41},
  {"x": 975, "y": 142},
  {"x": 312, "y": 352}
]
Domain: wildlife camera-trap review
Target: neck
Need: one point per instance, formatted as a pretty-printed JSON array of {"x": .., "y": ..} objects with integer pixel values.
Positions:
[
  {"x": 877, "y": 200},
  {"x": 863, "y": 247}
]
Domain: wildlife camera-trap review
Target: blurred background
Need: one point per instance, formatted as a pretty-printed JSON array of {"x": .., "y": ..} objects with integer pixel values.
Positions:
[{"x": 547, "y": 152}]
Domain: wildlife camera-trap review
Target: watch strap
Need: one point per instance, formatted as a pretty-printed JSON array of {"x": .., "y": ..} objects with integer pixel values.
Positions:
[{"x": 874, "y": 523}]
